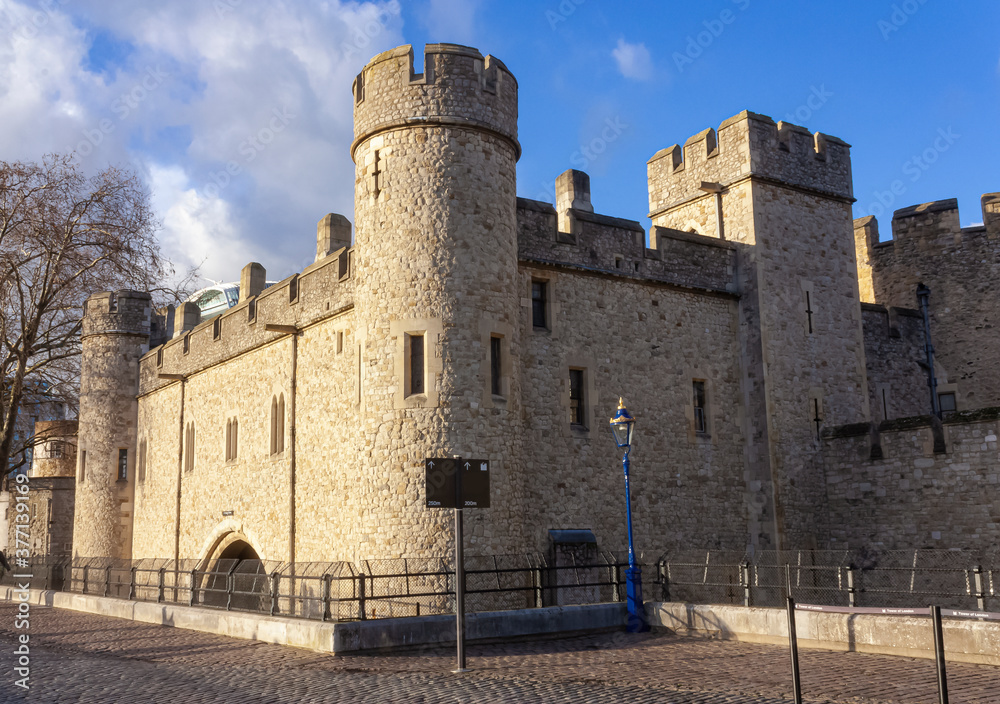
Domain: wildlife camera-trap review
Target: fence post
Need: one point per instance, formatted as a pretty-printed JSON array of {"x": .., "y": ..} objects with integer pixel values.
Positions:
[
  {"x": 852, "y": 593},
  {"x": 194, "y": 581},
  {"x": 977, "y": 574},
  {"x": 275, "y": 580},
  {"x": 160, "y": 580},
  {"x": 745, "y": 578},
  {"x": 614, "y": 582},
  {"x": 939, "y": 655},
  {"x": 326, "y": 598},
  {"x": 539, "y": 600},
  {"x": 131, "y": 583},
  {"x": 86, "y": 570},
  {"x": 793, "y": 647},
  {"x": 107, "y": 580},
  {"x": 361, "y": 595},
  {"x": 230, "y": 585}
]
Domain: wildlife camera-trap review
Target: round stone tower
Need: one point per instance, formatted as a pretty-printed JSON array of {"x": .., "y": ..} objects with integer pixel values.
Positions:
[
  {"x": 437, "y": 295},
  {"x": 115, "y": 336}
]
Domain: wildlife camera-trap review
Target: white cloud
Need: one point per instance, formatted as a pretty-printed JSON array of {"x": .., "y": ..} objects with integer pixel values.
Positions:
[
  {"x": 259, "y": 87},
  {"x": 633, "y": 60}
]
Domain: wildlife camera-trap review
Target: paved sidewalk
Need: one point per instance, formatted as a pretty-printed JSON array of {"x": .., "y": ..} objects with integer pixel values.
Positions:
[{"x": 77, "y": 657}]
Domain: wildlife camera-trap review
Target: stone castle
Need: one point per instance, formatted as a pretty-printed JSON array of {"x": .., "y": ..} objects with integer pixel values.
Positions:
[{"x": 776, "y": 364}]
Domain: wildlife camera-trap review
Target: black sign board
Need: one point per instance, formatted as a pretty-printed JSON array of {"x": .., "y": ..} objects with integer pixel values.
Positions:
[{"x": 442, "y": 483}]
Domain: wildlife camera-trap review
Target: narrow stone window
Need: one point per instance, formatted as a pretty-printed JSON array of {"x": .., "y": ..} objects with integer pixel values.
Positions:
[
  {"x": 293, "y": 289},
  {"x": 141, "y": 471},
  {"x": 277, "y": 424},
  {"x": 495, "y": 366},
  {"x": 159, "y": 357},
  {"x": 113, "y": 304},
  {"x": 817, "y": 417},
  {"x": 274, "y": 425},
  {"x": 539, "y": 304},
  {"x": 576, "y": 401},
  {"x": 187, "y": 343},
  {"x": 83, "y": 465},
  {"x": 252, "y": 310},
  {"x": 340, "y": 341},
  {"x": 55, "y": 448},
  {"x": 619, "y": 261},
  {"x": 809, "y": 313},
  {"x": 415, "y": 364},
  {"x": 189, "y": 448},
  {"x": 122, "y": 465},
  {"x": 946, "y": 402},
  {"x": 700, "y": 407},
  {"x": 217, "y": 327},
  {"x": 281, "y": 423},
  {"x": 232, "y": 438}
]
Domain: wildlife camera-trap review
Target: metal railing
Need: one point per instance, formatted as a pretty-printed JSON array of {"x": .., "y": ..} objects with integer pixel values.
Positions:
[
  {"x": 893, "y": 578},
  {"x": 341, "y": 591}
]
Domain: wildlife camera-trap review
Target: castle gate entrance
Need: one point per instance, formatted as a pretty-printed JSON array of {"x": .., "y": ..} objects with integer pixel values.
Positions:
[{"x": 236, "y": 579}]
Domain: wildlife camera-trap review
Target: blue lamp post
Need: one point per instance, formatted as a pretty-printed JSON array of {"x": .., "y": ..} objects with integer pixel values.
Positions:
[{"x": 622, "y": 427}]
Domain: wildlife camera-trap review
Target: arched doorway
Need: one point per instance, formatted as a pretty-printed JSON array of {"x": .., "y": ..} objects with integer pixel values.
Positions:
[{"x": 236, "y": 579}]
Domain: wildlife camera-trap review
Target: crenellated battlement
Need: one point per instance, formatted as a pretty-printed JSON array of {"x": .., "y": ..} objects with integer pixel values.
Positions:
[
  {"x": 458, "y": 87},
  {"x": 749, "y": 145},
  {"x": 124, "y": 311},
  {"x": 322, "y": 290}
]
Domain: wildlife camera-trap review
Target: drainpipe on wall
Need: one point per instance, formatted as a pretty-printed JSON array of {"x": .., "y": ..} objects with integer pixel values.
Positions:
[{"x": 923, "y": 295}]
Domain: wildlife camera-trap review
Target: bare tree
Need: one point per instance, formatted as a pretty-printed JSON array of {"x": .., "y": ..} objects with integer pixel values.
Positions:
[{"x": 63, "y": 236}]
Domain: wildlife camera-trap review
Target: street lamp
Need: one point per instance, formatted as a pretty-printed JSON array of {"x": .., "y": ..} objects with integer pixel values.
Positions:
[{"x": 622, "y": 427}]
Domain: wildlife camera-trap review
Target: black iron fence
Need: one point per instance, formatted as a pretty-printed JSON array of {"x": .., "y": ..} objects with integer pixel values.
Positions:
[
  {"x": 339, "y": 591},
  {"x": 375, "y": 589},
  {"x": 894, "y": 578}
]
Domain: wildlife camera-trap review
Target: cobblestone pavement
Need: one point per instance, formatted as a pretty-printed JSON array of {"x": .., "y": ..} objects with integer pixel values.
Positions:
[{"x": 78, "y": 657}]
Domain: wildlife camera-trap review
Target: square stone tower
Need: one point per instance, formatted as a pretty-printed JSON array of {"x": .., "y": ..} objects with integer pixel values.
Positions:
[{"x": 784, "y": 196}]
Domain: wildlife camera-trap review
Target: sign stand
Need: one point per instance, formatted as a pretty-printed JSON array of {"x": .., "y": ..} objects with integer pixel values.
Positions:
[
  {"x": 470, "y": 488},
  {"x": 459, "y": 577}
]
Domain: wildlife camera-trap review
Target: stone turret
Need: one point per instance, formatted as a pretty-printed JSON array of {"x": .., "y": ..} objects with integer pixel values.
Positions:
[
  {"x": 435, "y": 232},
  {"x": 784, "y": 197},
  {"x": 116, "y": 328}
]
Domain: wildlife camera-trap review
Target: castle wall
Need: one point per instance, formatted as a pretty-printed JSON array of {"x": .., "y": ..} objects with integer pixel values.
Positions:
[
  {"x": 647, "y": 343},
  {"x": 912, "y": 497},
  {"x": 231, "y": 367},
  {"x": 960, "y": 266},
  {"x": 894, "y": 353},
  {"x": 51, "y": 508}
]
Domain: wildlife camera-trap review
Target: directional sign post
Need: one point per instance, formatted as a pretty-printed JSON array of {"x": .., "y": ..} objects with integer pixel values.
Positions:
[{"x": 459, "y": 484}]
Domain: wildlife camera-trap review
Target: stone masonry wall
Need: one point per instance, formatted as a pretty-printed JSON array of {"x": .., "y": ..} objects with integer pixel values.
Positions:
[
  {"x": 894, "y": 355},
  {"x": 51, "y": 502},
  {"x": 912, "y": 497},
  {"x": 961, "y": 267},
  {"x": 647, "y": 343}
]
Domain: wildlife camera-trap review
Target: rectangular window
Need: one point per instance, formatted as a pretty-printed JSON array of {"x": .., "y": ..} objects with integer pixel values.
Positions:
[
  {"x": 217, "y": 327},
  {"x": 55, "y": 448},
  {"x": 141, "y": 472},
  {"x": 83, "y": 465},
  {"x": 293, "y": 289},
  {"x": 252, "y": 310},
  {"x": 187, "y": 343},
  {"x": 576, "y": 415},
  {"x": 495, "y": 377},
  {"x": 122, "y": 465},
  {"x": 340, "y": 341},
  {"x": 539, "y": 302},
  {"x": 159, "y": 357},
  {"x": 700, "y": 418},
  {"x": 416, "y": 364},
  {"x": 946, "y": 402}
]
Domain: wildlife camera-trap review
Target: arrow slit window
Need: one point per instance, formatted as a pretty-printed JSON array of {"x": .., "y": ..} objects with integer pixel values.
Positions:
[
  {"x": 414, "y": 363},
  {"x": 496, "y": 376},
  {"x": 700, "y": 408},
  {"x": 577, "y": 417}
]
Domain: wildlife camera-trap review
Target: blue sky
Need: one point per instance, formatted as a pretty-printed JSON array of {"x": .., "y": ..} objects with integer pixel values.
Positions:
[{"x": 179, "y": 89}]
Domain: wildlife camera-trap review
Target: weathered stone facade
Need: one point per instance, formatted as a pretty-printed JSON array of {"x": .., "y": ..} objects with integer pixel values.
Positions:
[
  {"x": 464, "y": 321},
  {"x": 912, "y": 496}
]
